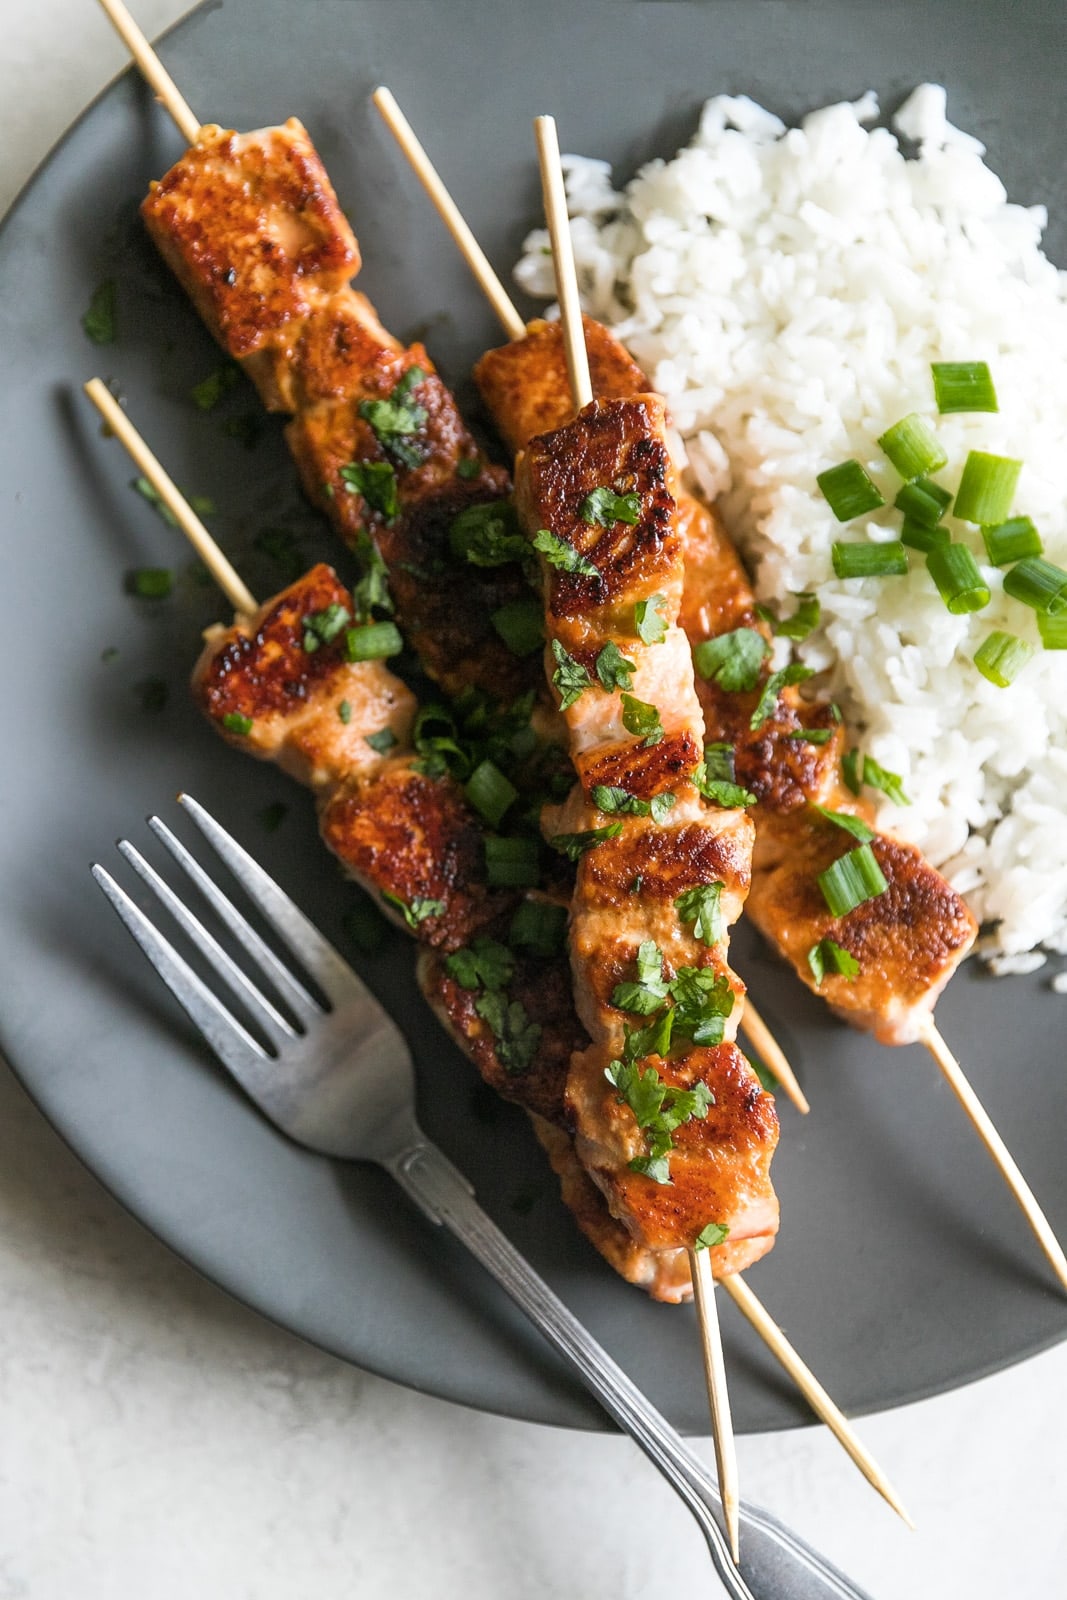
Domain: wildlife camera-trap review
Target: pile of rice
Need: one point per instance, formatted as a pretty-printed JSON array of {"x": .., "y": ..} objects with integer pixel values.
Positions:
[{"x": 787, "y": 290}]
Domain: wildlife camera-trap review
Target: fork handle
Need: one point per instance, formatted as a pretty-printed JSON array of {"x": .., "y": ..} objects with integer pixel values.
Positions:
[{"x": 775, "y": 1563}]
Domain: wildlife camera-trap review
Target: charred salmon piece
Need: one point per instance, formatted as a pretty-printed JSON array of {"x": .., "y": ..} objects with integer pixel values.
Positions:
[
  {"x": 309, "y": 710},
  {"x": 908, "y": 941},
  {"x": 250, "y": 225}
]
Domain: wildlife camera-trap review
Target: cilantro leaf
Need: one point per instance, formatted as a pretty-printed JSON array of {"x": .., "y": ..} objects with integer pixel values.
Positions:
[
  {"x": 540, "y": 927},
  {"x": 344, "y": 711},
  {"x": 570, "y": 677},
  {"x": 516, "y": 1036},
  {"x": 613, "y": 669},
  {"x": 558, "y": 553},
  {"x": 371, "y": 593},
  {"x": 810, "y": 735},
  {"x": 206, "y": 394},
  {"x": 842, "y": 819},
  {"x": 701, "y": 907},
  {"x": 661, "y": 807},
  {"x": 483, "y": 964},
  {"x": 768, "y": 700},
  {"x": 805, "y": 618},
  {"x": 487, "y": 535},
  {"x": 829, "y": 956},
  {"x": 659, "y": 1110},
  {"x": 411, "y": 380},
  {"x": 648, "y": 993},
  {"x": 395, "y": 425},
  {"x": 710, "y": 1235},
  {"x": 604, "y": 507},
  {"x": 733, "y": 660},
  {"x": 702, "y": 1002},
  {"x": 851, "y": 772},
  {"x": 642, "y": 720},
  {"x": 890, "y": 784},
  {"x": 322, "y": 627},
  {"x": 649, "y": 621},
  {"x": 149, "y": 583},
  {"x": 574, "y": 845},
  {"x": 610, "y": 798},
  {"x": 236, "y": 722},
  {"x": 654, "y": 1039},
  {"x": 415, "y": 910},
  {"x": 376, "y": 482}
]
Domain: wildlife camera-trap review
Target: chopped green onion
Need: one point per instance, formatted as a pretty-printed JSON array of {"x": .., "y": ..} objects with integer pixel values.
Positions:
[
  {"x": 829, "y": 956},
  {"x": 374, "y": 641},
  {"x": 959, "y": 582},
  {"x": 924, "y": 501},
  {"x": 878, "y": 777},
  {"x": 810, "y": 735},
  {"x": 1012, "y": 541},
  {"x": 99, "y": 322},
  {"x": 1001, "y": 658},
  {"x": 512, "y": 863},
  {"x": 558, "y": 553},
  {"x": 913, "y": 447},
  {"x": 1053, "y": 630},
  {"x": 206, "y": 394},
  {"x": 382, "y": 742},
  {"x": 849, "y": 491},
  {"x": 575, "y": 845},
  {"x": 1039, "y": 584},
  {"x": 852, "y": 770},
  {"x": 919, "y": 536},
  {"x": 344, "y": 711},
  {"x": 521, "y": 625},
  {"x": 236, "y": 722},
  {"x": 733, "y": 659},
  {"x": 604, "y": 507},
  {"x": 490, "y": 792},
  {"x": 468, "y": 468},
  {"x": 648, "y": 619},
  {"x": 642, "y": 720},
  {"x": 963, "y": 386},
  {"x": 987, "y": 488},
  {"x": 851, "y": 880},
  {"x": 869, "y": 560},
  {"x": 150, "y": 583},
  {"x": 540, "y": 927}
]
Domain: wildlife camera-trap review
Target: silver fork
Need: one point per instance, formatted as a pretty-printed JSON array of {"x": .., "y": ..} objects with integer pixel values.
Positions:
[{"x": 342, "y": 1082}]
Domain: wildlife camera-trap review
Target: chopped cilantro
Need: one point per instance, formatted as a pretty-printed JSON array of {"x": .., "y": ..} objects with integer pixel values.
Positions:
[
  {"x": 383, "y": 741},
  {"x": 829, "y": 956},
  {"x": 805, "y": 618},
  {"x": 843, "y": 819},
  {"x": 574, "y": 845},
  {"x": 516, "y": 1036},
  {"x": 714, "y": 778},
  {"x": 810, "y": 735},
  {"x": 558, "y": 553},
  {"x": 611, "y": 798},
  {"x": 416, "y": 910},
  {"x": 642, "y": 720},
  {"x": 237, "y": 722},
  {"x": 200, "y": 503},
  {"x": 659, "y": 1109},
  {"x": 376, "y": 482},
  {"x": 700, "y": 906},
  {"x": 468, "y": 468},
  {"x": 649, "y": 621},
  {"x": 890, "y": 784},
  {"x": 570, "y": 677},
  {"x": 487, "y": 535},
  {"x": 366, "y": 927},
  {"x": 710, "y": 1235},
  {"x": 851, "y": 771},
  {"x": 768, "y": 700},
  {"x": 322, "y": 627},
  {"x": 100, "y": 322},
  {"x": 395, "y": 425},
  {"x": 702, "y": 1001},
  {"x": 410, "y": 380},
  {"x": 371, "y": 593},
  {"x": 604, "y": 507},
  {"x": 539, "y": 926},
  {"x": 344, "y": 711},
  {"x": 733, "y": 660},
  {"x": 649, "y": 992},
  {"x": 521, "y": 625},
  {"x": 206, "y": 394},
  {"x": 613, "y": 669},
  {"x": 484, "y": 964}
]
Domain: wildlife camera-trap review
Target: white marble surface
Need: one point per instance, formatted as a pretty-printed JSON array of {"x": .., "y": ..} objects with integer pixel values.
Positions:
[{"x": 158, "y": 1441}]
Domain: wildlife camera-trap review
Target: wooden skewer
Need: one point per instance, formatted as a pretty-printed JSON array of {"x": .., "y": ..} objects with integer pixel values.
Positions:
[
  {"x": 581, "y": 394},
  {"x": 152, "y": 69},
  {"x": 718, "y": 1393},
  {"x": 223, "y": 573},
  {"x": 752, "y": 1024},
  {"x": 1002, "y": 1156},
  {"x": 810, "y": 1387}
]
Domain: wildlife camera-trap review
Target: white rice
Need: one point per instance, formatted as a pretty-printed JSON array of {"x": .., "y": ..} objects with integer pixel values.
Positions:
[{"x": 787, "y": 290}]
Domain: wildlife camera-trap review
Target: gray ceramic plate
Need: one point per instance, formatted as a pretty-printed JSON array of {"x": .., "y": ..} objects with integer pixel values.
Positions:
[{"x": 903, "y": 1267}]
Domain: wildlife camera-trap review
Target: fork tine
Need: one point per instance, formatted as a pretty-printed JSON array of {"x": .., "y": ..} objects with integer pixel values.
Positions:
[
  {"x": 273, "y": 969},
  {"x": 238, "y": 982},
  {"x": 322, "y": 962},
  {"x": 231, "y": 1042}
]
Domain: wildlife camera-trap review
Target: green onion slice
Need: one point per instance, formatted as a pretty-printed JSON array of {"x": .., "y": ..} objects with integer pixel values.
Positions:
[
  {"x": 913, "y": 447},
  {"x": 1053, "y": 630},
  {"x": 489, "y": 792},
  {"x": 512, "y": 863},
  {"x": 851, "y": 880},
  {"x": 1011, "y": 541},
  {"x": 849, "y": 491},
  {"x": 373, "y": 642},
  {"x": 924, "y": 501},
  {"x": 540, "y": 927},
  {"x": 1039, "y": 584},
  {"x": 1001, "y": 658},
  {"x": 959, "y": 582},
  {"x": 963, "y": 386},
  {"x": 869, "y": 560},
  {"x": 236, "y": 722},
  {"x": 919, "y": 536},
  {"x": 987, "y": 488}
]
